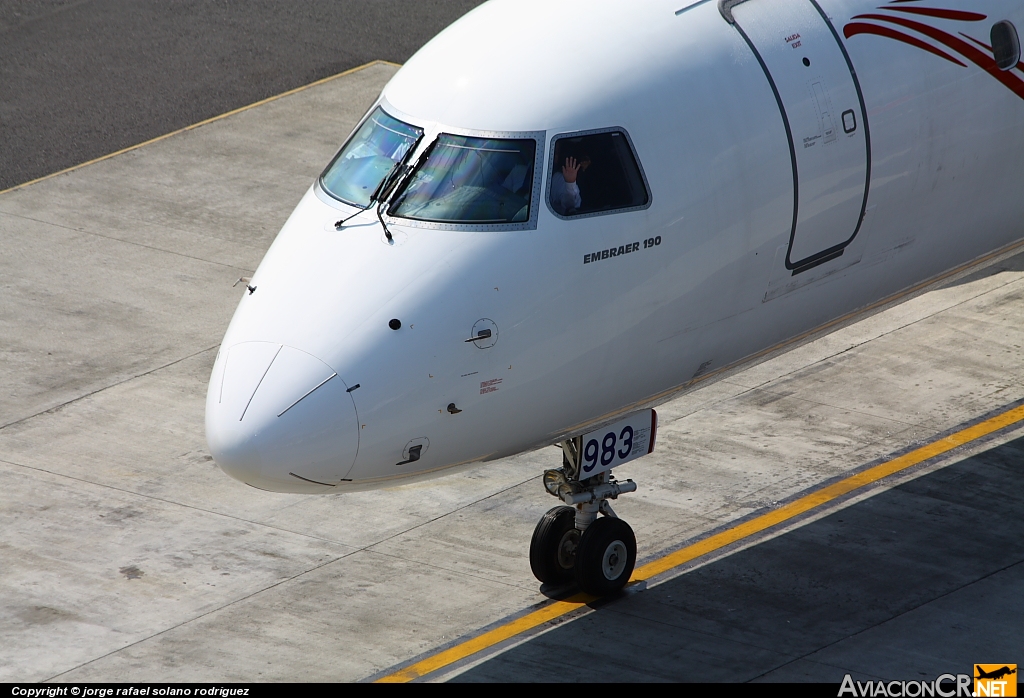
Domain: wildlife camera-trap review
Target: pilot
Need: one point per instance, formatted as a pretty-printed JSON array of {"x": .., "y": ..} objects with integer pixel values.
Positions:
[{"x": 565, "y": 191}]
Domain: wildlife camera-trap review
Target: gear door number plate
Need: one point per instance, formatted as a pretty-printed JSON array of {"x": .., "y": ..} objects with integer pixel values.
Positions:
[{"x": 619, "y": 443}]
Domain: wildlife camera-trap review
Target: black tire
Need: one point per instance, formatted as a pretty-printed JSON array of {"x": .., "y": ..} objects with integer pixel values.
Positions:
[
  {"x": 553, "y": 548},
  {"x": 605, "y": 557}
]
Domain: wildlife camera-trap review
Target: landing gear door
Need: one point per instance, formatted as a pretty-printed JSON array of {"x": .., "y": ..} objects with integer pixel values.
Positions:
[{"x": 822, "y": 107}]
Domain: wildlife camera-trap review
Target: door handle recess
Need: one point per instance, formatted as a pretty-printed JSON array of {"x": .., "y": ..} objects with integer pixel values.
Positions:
[
  {"x": 414, "y": 454},
  {"x": 482, "y": 334}
]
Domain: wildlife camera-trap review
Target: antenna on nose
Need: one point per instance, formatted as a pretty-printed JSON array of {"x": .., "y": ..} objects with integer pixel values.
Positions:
[{"x": 242, "y": 279}]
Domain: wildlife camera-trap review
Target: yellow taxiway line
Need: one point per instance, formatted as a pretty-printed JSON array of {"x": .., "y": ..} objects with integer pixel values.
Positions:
[
  {"x": 201, "y": 123},
  {"x": 710, "y": 544}
]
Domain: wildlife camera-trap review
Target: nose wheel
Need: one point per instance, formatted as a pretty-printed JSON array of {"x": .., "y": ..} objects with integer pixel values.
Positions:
[
  {"x": 570, "y": 543},
  {"x": 605, "y": 557},
  {"x": 554, "y": 544}
]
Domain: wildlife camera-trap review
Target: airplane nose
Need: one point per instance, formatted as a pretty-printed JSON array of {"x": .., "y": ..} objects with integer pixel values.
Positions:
[{"x": 280, "y": 419}]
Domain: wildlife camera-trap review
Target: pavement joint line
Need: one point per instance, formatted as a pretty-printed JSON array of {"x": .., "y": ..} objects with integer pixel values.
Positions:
[
  {"x": 841, "y": 408},
  {"x": 894, "y": 617},
  {"x": 968, "y": 450},
  {"x": 448, "y": 570},
  {"x": 46, "y": 15},
  {"x": 766, "y": 385},
  {"x": 83, "y": 231},
  {"x": 965, "y": 269},
  {"x": 810, "y": 502},
  {"x": 714, "y": 515},
  {"x": 57, "y": 408},
  {"x": 369, "y": 546},
  {"x": 882, "y": 304},
  {"x": 354, "y": 551},
  {"x": 352, "y": 548},
  {"x": 845, "y": 670},
  {"x": 198, "y": 617},
  {"x": 204, "y": 122}
]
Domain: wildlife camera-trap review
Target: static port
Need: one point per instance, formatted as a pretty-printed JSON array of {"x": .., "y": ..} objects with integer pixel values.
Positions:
[{"x": 395, "y": 324}]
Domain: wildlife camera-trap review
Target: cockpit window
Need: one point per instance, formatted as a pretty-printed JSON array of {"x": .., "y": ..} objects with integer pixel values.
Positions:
[
  {"x": 595, "y": 172},
  {"x": 369, "y": 156},
  {"x": 468, "y": 179}
]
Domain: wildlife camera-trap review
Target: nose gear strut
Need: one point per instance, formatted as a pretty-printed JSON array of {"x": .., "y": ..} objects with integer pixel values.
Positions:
[{"x": 570, "y": 542}]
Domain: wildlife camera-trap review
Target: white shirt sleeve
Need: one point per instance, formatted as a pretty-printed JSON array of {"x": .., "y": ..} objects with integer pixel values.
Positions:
[
  {"x": 573, "y": 190},
  {"x": 565, "y": 196}
]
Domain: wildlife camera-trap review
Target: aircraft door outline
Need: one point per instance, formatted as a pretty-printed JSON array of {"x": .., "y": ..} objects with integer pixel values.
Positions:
[{"x": 818, "y": 95}]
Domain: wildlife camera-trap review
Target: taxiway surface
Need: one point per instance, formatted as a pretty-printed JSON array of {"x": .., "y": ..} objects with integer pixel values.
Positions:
[
  {"x": 83, "y": 78},
  {"x": 129, "y": 556}
]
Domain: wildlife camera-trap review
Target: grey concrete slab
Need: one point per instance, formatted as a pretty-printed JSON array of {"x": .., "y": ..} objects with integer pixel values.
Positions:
[
  {"x": 103, "y": 569},
  {"x": 79, "y": 312},
  {"x": 116, "y": 288},
  {"x": 339, "y": 622}
]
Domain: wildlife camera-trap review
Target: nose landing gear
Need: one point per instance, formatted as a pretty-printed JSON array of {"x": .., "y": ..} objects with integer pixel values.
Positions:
[{"x": 571, "y": 542}]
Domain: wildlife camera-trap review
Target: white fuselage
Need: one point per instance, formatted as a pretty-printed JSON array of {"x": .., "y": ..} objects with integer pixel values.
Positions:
[{"x": 928, "y": 178}]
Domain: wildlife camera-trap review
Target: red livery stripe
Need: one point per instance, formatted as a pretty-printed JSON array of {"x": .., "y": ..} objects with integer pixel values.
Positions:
[
  {"x": 958, "y": 15},
  {"x": 980, "y": 59},
  {"x": 855, "y": 28}
]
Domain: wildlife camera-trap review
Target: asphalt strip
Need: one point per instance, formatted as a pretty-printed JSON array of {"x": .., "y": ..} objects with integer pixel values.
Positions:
[{"x": 196, "y": 125}]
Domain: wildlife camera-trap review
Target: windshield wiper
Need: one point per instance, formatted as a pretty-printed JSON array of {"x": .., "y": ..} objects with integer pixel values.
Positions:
[
  {"x": 399, "y": 182},
  {"x": 382, "y": 187},
  {"x": 373, "y": 197}
]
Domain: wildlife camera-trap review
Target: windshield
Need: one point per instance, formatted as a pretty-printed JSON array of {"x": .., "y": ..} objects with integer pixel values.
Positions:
[
  {"x": 470, "y": 180},
  {"x": 369, "y": 156}
]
